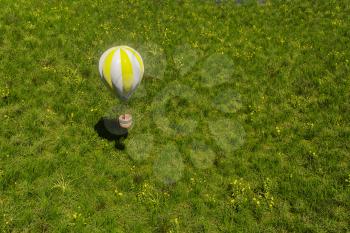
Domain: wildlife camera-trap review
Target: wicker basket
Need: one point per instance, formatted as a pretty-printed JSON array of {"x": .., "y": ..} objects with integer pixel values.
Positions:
[{"x": 125, "y": 121}]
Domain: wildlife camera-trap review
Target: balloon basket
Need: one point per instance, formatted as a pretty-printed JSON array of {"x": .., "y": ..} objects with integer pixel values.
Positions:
[
  {"x": 118, "y": 120},
  {"x": 125, "y": 121}
]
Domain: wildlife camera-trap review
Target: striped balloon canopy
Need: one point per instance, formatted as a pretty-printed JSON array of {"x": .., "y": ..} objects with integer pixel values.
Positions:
[{"x": 121, "y": 69}]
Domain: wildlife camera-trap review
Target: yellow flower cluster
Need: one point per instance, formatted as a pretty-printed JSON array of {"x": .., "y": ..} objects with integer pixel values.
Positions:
[
  {"x": 149, "y": 195},
  {"x": 278, "y": 130},
  {"x": 4, "y": 92},
  {"x": 242, "y": 193},
  {"x": 49, "y": 68},
  {"x": 348, "y": 180},
  {"x": 117, "y": 192},
  {"x": 337, "y": 22},
  {"x": 76, "y": 215},
  {"x": 266, "y": 194},
  {"x": 7, "y": 219},
  {"x": 175, "y": 225},
  {"x": 210, "y": 198}
]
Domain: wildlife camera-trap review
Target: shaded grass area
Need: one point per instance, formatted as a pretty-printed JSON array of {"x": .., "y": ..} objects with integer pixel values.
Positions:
[{"x": 290, "y": 172}]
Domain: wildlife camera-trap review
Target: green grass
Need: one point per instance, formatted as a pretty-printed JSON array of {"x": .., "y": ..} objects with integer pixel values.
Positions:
[{"x": 242, "y": 119}]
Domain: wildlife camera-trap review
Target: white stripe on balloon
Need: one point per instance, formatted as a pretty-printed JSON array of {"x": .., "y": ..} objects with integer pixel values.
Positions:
[{"x": 116, "y": 74}]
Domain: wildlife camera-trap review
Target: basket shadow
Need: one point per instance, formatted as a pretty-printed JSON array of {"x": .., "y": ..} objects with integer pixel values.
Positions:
[{"x": 103, "y": 132}]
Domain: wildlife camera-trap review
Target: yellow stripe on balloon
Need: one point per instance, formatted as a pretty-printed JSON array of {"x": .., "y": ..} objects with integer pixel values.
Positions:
[
  {"x": 127, "y": 74},
  {"x": 107, "y": 68},
  {"x": 138, "y": 57}
]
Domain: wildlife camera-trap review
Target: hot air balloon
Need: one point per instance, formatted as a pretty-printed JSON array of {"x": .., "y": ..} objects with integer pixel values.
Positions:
[{"x": 121, "y": 70}]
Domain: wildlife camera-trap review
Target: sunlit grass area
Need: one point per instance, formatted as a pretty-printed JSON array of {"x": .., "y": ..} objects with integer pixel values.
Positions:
[{"x": 241, "y": 123}]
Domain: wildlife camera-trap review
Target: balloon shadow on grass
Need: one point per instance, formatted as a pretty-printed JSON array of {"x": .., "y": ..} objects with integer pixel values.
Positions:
[{"x": 118, "y": 134}]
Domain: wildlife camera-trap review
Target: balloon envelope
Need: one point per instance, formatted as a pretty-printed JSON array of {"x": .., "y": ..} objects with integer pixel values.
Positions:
[{"x": 121, "y": 69}]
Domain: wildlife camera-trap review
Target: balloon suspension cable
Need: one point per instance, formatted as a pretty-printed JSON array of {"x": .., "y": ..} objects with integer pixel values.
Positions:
[{"x": 126, "y": 115}]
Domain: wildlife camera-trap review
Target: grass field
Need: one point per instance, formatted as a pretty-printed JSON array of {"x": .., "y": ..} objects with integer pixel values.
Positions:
[{"x": 241, "y": 121}]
